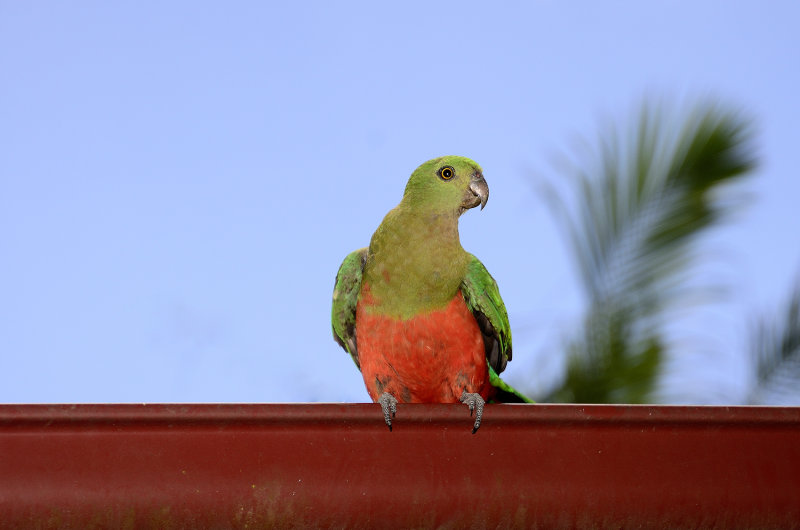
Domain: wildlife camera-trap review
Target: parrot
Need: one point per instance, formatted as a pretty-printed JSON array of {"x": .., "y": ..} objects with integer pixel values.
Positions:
[{"x": 421, "y": 317}]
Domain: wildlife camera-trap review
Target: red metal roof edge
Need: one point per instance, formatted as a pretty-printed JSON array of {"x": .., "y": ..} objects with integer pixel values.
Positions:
[{"x": 337, "y": 465}]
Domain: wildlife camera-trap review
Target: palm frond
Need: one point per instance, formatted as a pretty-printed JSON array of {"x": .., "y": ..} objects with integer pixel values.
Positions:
[
  {"x": 606, "y": 365},
  {"x": 776, "y": 355},
  {"x": 631, "y": 217}
]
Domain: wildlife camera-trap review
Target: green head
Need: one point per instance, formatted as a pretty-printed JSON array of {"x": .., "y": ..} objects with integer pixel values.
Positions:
[
  {"x": 415, "y": 261},
  {"x": 447, "y": 184}
]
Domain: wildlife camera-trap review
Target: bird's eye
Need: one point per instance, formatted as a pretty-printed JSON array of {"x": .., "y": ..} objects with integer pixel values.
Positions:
[{"x": 446, "y": 173}]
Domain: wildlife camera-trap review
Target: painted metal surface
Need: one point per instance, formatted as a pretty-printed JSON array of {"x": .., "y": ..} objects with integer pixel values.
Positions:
[{"x": 337, "y": 465}]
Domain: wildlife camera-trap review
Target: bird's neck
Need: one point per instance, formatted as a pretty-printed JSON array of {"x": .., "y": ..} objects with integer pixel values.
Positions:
[{"x": 415, "y": 262}]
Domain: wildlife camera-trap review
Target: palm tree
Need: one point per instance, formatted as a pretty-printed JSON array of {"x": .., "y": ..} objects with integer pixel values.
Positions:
[
  {"x": 776, "y": 356},
  {"x": 632, "y": 218}
]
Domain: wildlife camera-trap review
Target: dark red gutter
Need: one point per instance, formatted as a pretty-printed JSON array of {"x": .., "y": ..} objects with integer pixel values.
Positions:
[{"x": 327, "y": 465}]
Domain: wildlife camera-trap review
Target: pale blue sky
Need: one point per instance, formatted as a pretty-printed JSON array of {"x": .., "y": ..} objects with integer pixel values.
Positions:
[{"x": 179, "y": 181}]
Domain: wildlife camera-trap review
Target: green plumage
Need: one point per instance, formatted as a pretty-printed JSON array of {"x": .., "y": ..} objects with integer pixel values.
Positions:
[
  {"x": 345, "y": 299},
  {"x": 415, "y": 261},
  {"x": 483, "y": 299}
]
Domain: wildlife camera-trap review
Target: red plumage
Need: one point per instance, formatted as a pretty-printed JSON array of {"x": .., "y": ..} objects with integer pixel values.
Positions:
[{"x": 429, "y": 358}]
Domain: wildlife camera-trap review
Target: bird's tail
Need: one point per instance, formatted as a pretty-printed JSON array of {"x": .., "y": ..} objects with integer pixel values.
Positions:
[{"x": 505, "y": 393}]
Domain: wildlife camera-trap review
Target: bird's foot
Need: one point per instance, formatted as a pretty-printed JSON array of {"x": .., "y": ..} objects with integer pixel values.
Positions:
[
  {"x": 389, "y": 407},
  {"x": 475, "y": 403}
]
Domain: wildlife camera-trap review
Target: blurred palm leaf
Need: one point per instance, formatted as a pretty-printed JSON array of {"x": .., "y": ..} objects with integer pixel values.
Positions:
[
  {"x": 776, "y": 355},
  {"x": 631, "y": 222}
]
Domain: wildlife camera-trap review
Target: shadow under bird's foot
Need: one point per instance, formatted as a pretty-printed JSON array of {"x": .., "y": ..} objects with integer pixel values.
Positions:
[
  {"x": 475, "y": 403},
  {"x": 389, "y": 407}
]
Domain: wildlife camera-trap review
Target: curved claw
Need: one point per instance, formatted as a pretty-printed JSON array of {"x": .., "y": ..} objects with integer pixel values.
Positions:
[
  {"x": 389, "y": 407},
  {"x": 475, "y": 403}
]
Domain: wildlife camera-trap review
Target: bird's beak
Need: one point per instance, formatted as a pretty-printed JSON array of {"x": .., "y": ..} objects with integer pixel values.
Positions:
[{"x": 477, "y": 193}]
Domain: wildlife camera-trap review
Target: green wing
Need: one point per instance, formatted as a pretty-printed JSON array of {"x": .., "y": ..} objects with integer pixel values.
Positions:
[
  {"x": 483, "y": 299},
  {"x": 345, "y": 298}
]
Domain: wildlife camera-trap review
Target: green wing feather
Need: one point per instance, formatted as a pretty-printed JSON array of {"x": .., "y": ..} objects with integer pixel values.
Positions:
[
  {"x": 483, "y": 299},
  {"x": 345, "y": 299}
]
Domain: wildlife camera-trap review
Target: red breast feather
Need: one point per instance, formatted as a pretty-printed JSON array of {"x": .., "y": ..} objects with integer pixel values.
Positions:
[{"x": 429, "y": 358}]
